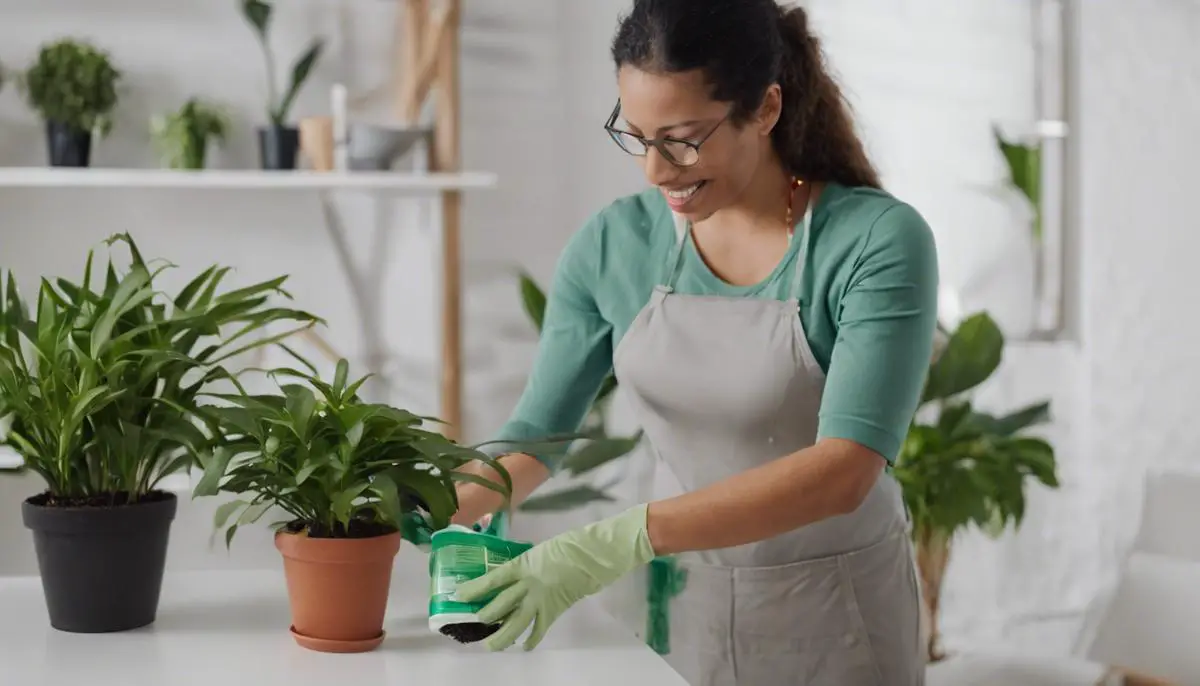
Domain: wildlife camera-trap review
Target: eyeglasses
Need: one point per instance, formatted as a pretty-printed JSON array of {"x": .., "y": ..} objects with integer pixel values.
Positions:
[{"x": 677, "y": 151}]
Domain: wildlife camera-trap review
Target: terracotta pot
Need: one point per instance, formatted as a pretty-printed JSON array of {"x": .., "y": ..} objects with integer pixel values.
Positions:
[{"x": 338, "y": 589}]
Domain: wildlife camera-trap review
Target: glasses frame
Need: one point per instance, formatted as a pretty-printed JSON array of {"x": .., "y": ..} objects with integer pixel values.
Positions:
[{"x": 659, "y": 143}]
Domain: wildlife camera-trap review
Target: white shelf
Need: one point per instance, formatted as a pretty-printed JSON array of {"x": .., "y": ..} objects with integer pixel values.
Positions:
[{"x": 402, "y": 183}]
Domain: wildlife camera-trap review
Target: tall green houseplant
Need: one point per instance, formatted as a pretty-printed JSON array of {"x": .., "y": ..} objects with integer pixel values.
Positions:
[
  {"x": 100, "y": 385},
  {"x": 279, "y": 141},
  {"x": 72, "y": 85},
  {"x": 960, "y": 466}
]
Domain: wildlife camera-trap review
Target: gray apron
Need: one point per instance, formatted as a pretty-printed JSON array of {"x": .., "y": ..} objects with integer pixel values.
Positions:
[{"x": 721, "y": 385}]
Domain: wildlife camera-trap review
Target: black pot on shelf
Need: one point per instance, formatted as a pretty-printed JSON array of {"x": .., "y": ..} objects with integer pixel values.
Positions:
[
  {"x": 278, "y": 146},
  {"x": 68, "y": 146},
  {"x": 101, "y": 567}
]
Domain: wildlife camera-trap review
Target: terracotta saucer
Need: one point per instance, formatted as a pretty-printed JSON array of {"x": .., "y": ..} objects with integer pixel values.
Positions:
[{"x": 325, "y": 645}]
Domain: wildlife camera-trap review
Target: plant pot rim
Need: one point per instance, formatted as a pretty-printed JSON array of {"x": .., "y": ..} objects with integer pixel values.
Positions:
[
  {"x": 300, "y": 546},
  {"x": 97, "y": 519},
  {"x": 164, "y": 498}
]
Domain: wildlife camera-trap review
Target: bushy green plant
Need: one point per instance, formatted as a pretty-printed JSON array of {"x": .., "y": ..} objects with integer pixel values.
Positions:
[
  {"x": 337, "y": 466},
  {"x": 962, "y": 466},
  {"x": 182, "y": 136},
  {"x": 597, "y": 448},
  {"x": 966, "y": 466},
  {"x": 101, "y": 384},
  {"x": 73, "y": 83},
  {"x": 258, "y": 13}
]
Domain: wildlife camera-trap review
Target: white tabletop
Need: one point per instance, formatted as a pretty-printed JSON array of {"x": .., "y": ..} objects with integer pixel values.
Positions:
[{"x": 230, "y": 628}]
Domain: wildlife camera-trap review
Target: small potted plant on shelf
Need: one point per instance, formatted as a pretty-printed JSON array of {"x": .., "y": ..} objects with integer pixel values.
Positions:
[
  {"x": 962, "y": 466},
  {"x": 73, "y": 87},
  {"x": 343, "y": 473},
  {"x": 99, "y": 388},
  {"x": 183, "y": 136},
  {"x": 279, "y": 141}
]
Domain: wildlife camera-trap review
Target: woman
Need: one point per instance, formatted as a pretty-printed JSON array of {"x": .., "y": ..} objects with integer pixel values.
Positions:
[{"x": 770, "y": 312}]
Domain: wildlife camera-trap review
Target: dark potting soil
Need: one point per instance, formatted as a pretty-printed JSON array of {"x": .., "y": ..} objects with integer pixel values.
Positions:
[
  {"x": 118, "y": 499},
  {"x": 358, "y": 528},
  {"x": 469, "y": 632}
]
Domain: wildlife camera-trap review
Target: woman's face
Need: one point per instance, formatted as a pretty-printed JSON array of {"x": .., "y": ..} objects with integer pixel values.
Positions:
[{"x": 678, "y": 105}]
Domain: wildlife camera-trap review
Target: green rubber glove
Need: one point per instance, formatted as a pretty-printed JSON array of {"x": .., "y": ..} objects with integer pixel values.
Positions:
[{"x": 541, "y": 584}]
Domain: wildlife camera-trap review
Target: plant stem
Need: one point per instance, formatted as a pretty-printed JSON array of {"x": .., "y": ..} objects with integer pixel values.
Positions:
[
  {"x": 270, "y": 61},
  {"x": 933, "y": 556}
]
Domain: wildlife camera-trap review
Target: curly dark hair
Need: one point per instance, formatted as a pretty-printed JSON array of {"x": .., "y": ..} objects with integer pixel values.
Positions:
[{"x": 742, "y": 47}]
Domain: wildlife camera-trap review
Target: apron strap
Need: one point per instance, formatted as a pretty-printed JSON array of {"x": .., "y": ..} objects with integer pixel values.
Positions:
[
  {"x": 675, "y": 257},
  {"x": 801, "y": 254}
]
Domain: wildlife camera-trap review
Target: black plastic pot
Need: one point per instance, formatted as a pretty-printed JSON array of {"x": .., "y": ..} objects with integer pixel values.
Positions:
[
  {"x": 68, "y": 146},
  {"x": 278, "y": 147},
  {"x": 101, "y": 567}
]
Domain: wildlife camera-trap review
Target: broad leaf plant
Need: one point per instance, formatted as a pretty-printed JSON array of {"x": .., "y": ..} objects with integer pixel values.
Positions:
[
  {"x": 960, "y": 466},
  {"x": 334, "y": 465},
  {"x": 100, "y": 383}
]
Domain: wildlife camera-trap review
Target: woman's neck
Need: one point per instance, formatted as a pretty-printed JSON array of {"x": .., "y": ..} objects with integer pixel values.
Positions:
[{"x": 763, "y": 206}]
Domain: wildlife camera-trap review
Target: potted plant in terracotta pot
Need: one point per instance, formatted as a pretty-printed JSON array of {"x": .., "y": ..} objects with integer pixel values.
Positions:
[
  {"x": 279, "y": 141},
  {"x": 183, "y": 136},
  {"x": 99, "y": 388},
  {"x": 73, "y": 87},
  {"x": 960, "y": 466},
  {"x": 342, "y": 474}
]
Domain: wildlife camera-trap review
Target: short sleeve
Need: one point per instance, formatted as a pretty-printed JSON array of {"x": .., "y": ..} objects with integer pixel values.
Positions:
[
  {"x": 574, "y": 352},
  {"x": 885, "y": 327}
]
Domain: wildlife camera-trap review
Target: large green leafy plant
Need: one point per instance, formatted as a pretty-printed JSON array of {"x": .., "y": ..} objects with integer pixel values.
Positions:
[
  {"x": 101, "y": 383},
  {"x": 960, "y": 466},
  {"x": 596, "y": 448},
  {"x": 258, "y": 14},
  {"x": 336, "y": 466},
  {"x": 73, "y": 83}
]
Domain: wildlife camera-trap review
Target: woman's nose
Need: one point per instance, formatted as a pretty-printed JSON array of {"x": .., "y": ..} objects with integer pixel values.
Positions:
[{"x": 658, "y": 170}]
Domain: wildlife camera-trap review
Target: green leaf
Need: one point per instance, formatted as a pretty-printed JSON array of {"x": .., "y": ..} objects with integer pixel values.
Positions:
[
  {"x": 300, "y": 73},
  {"x": 971, "y": 356},
  {"x": 214, "y": 471},
  {"x": 258, "y": 13},
  {"x": 598, "y": 453},
  {"x": 225, "y": 511},
  {"x": 534, "y": 300},
  {"x": 440, "y": 501},
  {"x": 1009, "y": 424},
  {"x": 564, "y": 499},
  {"x": 1024, "y": 167},
  {"x": 343, "y": 501},
  {"x": 606, "y": 388}
]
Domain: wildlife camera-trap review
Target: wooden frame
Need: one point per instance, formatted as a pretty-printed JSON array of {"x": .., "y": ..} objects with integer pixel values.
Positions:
[{"x": 428, "y": 56}]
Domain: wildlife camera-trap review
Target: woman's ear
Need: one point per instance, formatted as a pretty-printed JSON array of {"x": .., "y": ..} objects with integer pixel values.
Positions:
[{"x": 770, "y": 110}]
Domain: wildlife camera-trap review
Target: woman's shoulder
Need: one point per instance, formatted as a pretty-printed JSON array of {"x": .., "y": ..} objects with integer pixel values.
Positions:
[
  {"x": 625, "y": 231},
  {"x": 871, "y": 223},
  {"x": 636, "y": 217}
]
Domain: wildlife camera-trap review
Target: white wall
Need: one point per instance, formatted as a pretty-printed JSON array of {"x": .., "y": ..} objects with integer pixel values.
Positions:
[{"x": 928, "y": 78}]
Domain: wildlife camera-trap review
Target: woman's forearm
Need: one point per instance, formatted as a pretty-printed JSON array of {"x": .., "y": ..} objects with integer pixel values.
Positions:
[
  {"x": 828, "y": 479},
  {"x": 475, "y": 501}
]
